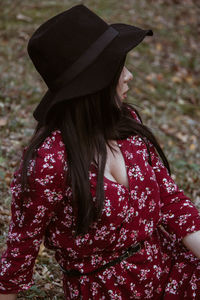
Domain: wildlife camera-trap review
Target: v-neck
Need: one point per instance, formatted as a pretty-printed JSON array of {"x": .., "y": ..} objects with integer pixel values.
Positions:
[{"x": 120, "y": 145}]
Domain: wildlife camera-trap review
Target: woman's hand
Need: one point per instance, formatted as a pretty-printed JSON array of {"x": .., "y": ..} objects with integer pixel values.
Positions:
[
  {"x": 192, "y": 242},
  {"x": 8, "y": 296}
]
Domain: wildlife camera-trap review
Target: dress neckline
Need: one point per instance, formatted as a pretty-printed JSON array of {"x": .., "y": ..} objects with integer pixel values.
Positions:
[{"x": 120, "y": 145}]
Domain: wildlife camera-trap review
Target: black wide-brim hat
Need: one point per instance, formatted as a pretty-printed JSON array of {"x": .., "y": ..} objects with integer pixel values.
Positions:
[{"x": 77, "y": 53}]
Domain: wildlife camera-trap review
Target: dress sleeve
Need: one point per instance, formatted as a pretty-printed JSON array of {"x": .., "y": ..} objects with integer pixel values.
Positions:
[
  {"x": 179, "y": 215},
  {"x": 26, "y": 231}
]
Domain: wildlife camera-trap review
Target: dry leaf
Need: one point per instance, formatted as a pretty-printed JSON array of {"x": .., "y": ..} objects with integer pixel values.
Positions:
[
  {"x": 192, "y": 147},
  {"x": 159, "y": 47},
  {"x": 176, "y": 79},
  {"x": 3, "y": 121},
  {"x": 23, "y": 18}
]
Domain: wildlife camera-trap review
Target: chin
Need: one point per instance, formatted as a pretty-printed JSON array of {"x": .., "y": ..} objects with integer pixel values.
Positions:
[{"x": 121, "y": 98}]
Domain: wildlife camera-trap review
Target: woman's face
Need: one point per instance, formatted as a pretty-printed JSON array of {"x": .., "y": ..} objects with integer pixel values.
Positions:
[{"x": 122, "y": 86}]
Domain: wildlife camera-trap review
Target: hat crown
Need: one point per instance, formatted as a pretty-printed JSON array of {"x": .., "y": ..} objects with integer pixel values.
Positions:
[{"x": 61, "y": 40}]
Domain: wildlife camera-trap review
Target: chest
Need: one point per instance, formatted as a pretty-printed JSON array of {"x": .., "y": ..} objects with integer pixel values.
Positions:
[{"x": 115, "y": 168}]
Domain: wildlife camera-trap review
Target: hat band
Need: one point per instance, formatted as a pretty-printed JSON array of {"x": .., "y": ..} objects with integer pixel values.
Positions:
[{"x": 86, "y": 58}]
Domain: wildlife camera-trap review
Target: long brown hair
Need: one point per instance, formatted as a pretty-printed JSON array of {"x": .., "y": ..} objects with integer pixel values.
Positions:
[{"x": 86, "y": 124}]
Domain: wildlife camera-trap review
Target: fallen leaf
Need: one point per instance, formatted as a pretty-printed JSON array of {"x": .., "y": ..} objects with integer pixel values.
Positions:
[
  {"x": 23, "y": 18},
  {"x": 192, "y": 147},
  {"x": 3, "y": 121},
  {"x": 159, "y": 47},
  {"x": 176, "y": 79}
]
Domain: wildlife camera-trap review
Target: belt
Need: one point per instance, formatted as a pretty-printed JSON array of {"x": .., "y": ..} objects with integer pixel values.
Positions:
[{"x": 130, "y": 251}]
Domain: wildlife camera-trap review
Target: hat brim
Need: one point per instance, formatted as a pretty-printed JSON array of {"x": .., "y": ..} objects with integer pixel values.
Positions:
[{"x": 99, "y": 74}]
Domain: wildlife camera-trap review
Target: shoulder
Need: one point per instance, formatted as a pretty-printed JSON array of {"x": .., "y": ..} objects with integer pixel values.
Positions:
[
  {"x": 51, "y": 153},
  {"x": 49, "y": 158},
  {"x": 46, "y": 170},
  {"x": 52, "y": 144}
]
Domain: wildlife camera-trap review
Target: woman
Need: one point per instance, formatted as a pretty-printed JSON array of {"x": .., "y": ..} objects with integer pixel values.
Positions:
[{"x": 91, "y": 180}]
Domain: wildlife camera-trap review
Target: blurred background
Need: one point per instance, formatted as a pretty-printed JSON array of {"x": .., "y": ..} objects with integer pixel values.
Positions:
[{"x": 165, "y": 90}]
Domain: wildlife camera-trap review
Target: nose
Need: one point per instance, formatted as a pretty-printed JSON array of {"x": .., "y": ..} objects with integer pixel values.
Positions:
[{"x": 128, "y": 76}]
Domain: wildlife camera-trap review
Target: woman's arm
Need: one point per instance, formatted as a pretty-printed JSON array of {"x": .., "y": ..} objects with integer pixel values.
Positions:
[
  {"x": 192, "y": 242},
  {"x": 8, "y": 297},
  {"x": 26, "y": 232},
  {"x": 180, "y": 216}
]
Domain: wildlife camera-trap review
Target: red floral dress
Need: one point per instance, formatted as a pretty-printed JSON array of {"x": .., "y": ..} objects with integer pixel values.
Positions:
[{"x": 153, "y": 209}]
